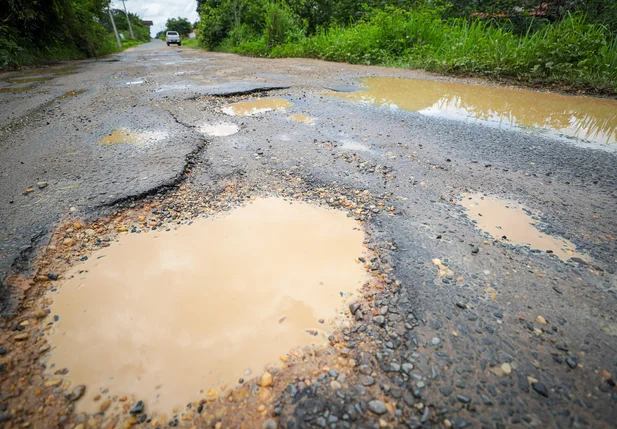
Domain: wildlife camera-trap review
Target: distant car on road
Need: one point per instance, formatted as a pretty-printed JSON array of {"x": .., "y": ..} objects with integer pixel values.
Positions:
[{"x": 173, "y": 37}]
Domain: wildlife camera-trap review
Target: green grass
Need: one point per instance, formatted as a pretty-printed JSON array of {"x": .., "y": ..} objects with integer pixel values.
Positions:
[
  {"x": 571, "y": 54},
  {"x": 191, "y": 43}
]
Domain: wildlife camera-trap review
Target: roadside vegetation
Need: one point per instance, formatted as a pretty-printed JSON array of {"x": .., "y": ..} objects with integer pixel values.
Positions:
[
  {"x": 34, "y": 32},
  {"x": 567, "y": 43}
]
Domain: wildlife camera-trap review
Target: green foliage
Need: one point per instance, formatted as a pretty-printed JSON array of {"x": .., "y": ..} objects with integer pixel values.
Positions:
[
  {"x": 280, "y": 25},
  {"x": 181, "y": 25},
  {"x": 35, "y": 31},
  {"x": 140, "y": 31}
]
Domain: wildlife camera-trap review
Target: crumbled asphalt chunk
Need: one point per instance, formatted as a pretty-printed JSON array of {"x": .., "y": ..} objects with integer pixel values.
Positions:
[
  {"x": 377, "y": 407},
  {"x": 540, "y": 388}
]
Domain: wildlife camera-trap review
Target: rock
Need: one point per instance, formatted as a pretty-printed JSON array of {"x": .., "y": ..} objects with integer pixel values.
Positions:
[
  {"x": 270, "y": 424},
  {"x": 5, "y": 417},
  {"x": 506, "y": 368},
  {"x": 475, "y": 250},
  {"x": 407, "y": 367},
  {"x": 137, "y": 408},
  {"x": 562, "y": 346},
  {"x": 3, "y": 350},
  {"x": 541, "y": 320},
  {"x": 540, "y": 389},
  {"x": 90, "y": 232},
  {"x": 353, "y": 307},
  {"x": 572, "y": 363},
  {"x": 435, "y": 341},
  {"x": 68, "y": 242},
  {"x": 486, "y": 399},
  {"x": 42, "y": 185},
  {"x": 464, "y": 399},
  {"x": 380, "y": 320},
  {"x": 77, "y": 393},
  {"x": 105, "y": 405},
  {"x": 321, "y": 422},
  {"x": 266, "y": 379},
  {"x": 446, "y": 390},
  {"x": 21, "y": 337},
  {"x": 377, "y": 407},
  {"x": 367, "y": 380},
  {"x": 52, "y": 276},
  {"x": 461, "y": 305}
]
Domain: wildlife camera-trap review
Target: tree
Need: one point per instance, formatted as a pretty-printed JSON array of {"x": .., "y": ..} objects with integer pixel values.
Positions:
[{"x": 181, "y": 25}]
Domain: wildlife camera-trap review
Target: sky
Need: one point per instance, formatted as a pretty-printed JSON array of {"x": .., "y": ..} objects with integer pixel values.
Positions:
[{"x": 159, "y": 11}]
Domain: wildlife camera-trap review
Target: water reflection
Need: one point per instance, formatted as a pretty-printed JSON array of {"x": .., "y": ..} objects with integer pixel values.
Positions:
[{"x": 587, "y": 118}]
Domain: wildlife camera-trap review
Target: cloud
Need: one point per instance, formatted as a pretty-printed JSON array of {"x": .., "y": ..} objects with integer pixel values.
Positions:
[{"x": 159, "y": 11}]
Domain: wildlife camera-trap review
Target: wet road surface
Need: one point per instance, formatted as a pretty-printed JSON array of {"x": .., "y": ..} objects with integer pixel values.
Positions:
[{"x": 468, "y": 330}]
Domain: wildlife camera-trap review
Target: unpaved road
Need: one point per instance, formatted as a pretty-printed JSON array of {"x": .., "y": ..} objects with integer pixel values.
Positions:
[{"x": 457, "y": 331}]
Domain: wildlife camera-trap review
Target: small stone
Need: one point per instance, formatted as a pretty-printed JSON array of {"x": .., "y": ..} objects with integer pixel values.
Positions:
[
  {"x": 68, "y": 242},
  {"x": 435, "y": 341},
  {"x": 335, "y": 385},
  {"x": 475, "y": 250},
  {"x": 79, "y": 426},
  {"x": 266, "y": 379},
  {"x": 90, "y": 232},
  {"x": 137, "y": 408},
  {"x": 541, "y": 320},
  {"x": 446, "y": 390},
  {"x": 377, "y": 407},
  {"x": 506, "y": 368},
  {"x": 461, "y": 305},
  {"x": 380, "y": 320},
  {"x": 540, "y": 389},
  {"x": 42, "y": 185},
  {"x": 447, "y": 423},
  {"x": 270, "y": 424},
  {"x": 52, "y": 276},
  {"x": 77, "y": 392},
  {"x": 21, "y": 337},
  {"x": 353, "y": 307},
  {"x": 572, "y": 363},
  {"x": 105, "y": 405},
  {"x": 407, "y": 367},
  {"x": 464, "y": 399}
]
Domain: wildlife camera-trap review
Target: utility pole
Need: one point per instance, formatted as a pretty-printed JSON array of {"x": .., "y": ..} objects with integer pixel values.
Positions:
[
  {"x": 128, "y": 20},
  {"x": 113, "y": 24}
]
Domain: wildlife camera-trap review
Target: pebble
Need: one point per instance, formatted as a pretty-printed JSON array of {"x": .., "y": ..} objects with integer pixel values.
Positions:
[
  {"x": 506, "y": 368},
  {"x": 77, "y": 392},
  {"x": 540, "y": 389},
  {"x": 68, "y": 242},
  {"x": 377, "y": 407},
  {"x": 137, "y": 408},
  {"x": 270, "y": 424},
  {"x": 353, "y": 307},
  {"x": 435, "y": 341},
  {"x": 335, "y": 385},
  {"x": 42, "y": 185},
  {"x": 475, "y": 250},
  {"x": 541, "y": 320},
  {"x": 464, "y": 399},
  {"x": 105, "y": 405},
  {"x": 380, "y": 320},
  {"x": 266, "y": 379},
  {"x": 572, "y": 363},
  {"x": 446, "y": 390}
]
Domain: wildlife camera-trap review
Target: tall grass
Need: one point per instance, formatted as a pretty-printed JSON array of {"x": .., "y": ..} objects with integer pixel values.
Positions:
[{"x": 571, "y": 52}]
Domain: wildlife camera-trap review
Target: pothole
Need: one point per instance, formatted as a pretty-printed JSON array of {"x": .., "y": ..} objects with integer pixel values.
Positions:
[
  {"x": 510, "y": 222},
  {"x": 72, "y": 93},
  {"x": 164, "y": 317},
  {"x": 303, "y": 119},
  {"x": 19, "y": 89},
  {"x": 221, "y": 129},
  {"x": 588, "y": 118},
  {"x": 124, "y": 136},
  {"x": 29, "y": 79},
  {"x": 254, "y": 107}
]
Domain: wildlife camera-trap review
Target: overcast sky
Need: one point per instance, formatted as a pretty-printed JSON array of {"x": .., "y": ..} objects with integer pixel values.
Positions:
[{"x": 159, "y": 11}]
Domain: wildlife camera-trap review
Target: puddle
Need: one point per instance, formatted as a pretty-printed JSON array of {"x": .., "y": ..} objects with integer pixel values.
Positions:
[
  {"x": 254, "y": 107},
  {"x": 303, "y": 118},
  {"x": 29, "y": 79},
  {"x": 165, "y": 316},
  {"x": 71, "y": 93},
  {"x": 354, "y": 146},
  {"x": 220, "y": 130},
  {"x": 507, "y": 218},
  {"x": 124, "y": 136},
  {"x": 12, "y": 90},
  {"x": 587, "y": 118}
]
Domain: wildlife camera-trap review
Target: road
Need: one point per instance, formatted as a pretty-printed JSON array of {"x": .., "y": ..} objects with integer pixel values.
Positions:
[{"x": 457, "y": 330}]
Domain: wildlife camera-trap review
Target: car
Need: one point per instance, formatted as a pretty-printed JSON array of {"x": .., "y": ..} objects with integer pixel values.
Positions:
[{"x": 173, "y": 37}]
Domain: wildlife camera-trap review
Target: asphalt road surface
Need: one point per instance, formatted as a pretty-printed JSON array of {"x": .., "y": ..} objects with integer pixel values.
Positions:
[{"x": 464, "y": 349}]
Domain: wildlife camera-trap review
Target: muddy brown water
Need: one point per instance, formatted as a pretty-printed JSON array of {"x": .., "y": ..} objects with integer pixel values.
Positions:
[
  {"x": 254, "y": 107},
  {"x": 166, "y": 316},
  {"x": 507, "y": 218},
  {"x": 302, "y": 118},
  {"x": 72, "y": 93},
  {"x": 593, "y": 119}
]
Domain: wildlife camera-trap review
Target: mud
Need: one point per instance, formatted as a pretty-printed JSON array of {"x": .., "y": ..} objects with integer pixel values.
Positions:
[
  {"x": 164, "y": 317},
  {"x": 510, "y": 222},
  {"x": 303, "y": 119},
  {"x": 13, "y": 90},
  {"x": 262, "y": 105},
  {"x": 592, "y": 119},
  {"x": 73, "y": 93}
]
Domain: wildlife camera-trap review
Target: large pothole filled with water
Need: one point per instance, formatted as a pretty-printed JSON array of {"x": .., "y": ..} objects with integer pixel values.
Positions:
[{"x": 166, "y": 316}]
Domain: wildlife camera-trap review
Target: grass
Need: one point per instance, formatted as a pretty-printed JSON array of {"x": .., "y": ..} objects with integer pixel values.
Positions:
[
  {"x": 191, "y": 43},
  {"x": 571, "y": 54}
]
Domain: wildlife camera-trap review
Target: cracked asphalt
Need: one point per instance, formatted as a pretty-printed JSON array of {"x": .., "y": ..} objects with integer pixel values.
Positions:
[{"x": 462, "y": 350}]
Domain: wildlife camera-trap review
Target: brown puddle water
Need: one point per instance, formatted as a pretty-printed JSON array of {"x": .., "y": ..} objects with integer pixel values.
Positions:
[
  {"x": 507, "y": 218},
  {"x": 119, "y": 136},
  {"x": 29, "y": 79},
  {"x": 166, "y": 316},
  {"x": 303, "y": 118},
  {"x": 261, "y": 105},
  {"x": 588, "y": 118},
  {"x": 20, "y": 89},
  {"x": 71, "y": 93}
]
